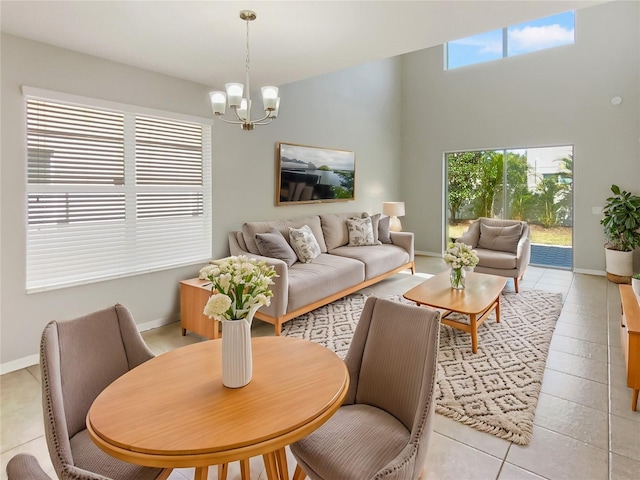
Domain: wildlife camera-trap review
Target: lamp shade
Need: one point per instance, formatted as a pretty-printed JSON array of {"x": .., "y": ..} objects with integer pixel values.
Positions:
[{"x": 393, "y": 209}]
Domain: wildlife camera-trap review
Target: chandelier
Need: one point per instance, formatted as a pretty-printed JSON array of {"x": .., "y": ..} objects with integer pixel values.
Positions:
[{"x": 240, "y": 105}]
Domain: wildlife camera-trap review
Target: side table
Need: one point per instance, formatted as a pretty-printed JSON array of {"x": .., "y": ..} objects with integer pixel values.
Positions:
[
  {"x": 630, "y": 338},
  {"x": 194, "y": 294}
]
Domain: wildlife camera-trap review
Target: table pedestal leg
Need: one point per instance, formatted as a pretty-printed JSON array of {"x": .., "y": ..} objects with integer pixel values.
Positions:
[
  {"x": 276, "y": 465},
  {"x": 498, "y": 310},
  {"x": 201, "y": 473}
]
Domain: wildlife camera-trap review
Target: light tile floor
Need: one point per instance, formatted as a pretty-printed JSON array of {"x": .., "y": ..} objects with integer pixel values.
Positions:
[{"x": 584, "y": 427}]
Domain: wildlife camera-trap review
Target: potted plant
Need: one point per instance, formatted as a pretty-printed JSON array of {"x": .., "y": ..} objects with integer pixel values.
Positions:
[{"x": 621, "y": 224}]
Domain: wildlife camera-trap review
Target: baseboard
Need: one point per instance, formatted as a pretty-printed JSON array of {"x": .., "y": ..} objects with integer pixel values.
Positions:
[
  {"x": 19, "y": 364},
  {"x": 160, "y": 322},
  {"x": 586, "y": 271},
  {"x": 31, "y": 360},
  {"x": 428, "y": 254}
]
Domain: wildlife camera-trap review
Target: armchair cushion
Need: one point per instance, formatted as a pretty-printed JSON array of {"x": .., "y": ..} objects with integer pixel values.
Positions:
[{"x": 502, "y": 239}]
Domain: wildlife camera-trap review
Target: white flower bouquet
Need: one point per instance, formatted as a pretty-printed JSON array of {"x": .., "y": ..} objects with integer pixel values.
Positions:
[
  {"x": 239, "y": 286},
  {"x": 460, "y": 255}
]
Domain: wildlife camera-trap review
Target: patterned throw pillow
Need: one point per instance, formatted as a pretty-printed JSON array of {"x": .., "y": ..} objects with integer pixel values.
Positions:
[
  {"x": 360, "y": 232},
  {"x": 304, "y": 243}
]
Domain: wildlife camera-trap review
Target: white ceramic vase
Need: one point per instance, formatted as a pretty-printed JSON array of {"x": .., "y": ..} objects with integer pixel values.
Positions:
[{"x": 236, "y": 352}]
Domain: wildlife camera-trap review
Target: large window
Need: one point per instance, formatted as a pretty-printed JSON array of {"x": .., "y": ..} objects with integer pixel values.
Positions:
[
  {"x": 113, "y": 190},
  {"x": 532, "y": 184},
  {"x": 526, "y": 37}
]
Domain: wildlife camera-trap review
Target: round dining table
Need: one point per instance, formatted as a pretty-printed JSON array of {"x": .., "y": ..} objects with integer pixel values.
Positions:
[{"x": 174, "y": 412}]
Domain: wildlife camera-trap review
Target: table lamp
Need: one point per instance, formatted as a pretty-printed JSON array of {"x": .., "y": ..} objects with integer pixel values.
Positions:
[{"x": 394, "y": 210}]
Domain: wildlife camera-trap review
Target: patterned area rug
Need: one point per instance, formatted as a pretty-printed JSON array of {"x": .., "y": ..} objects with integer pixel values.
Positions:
[{"x": 495, "y": 390}]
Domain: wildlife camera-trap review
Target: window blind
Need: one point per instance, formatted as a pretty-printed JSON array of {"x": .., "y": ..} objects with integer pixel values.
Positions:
[{"x": 113, "y": 191}]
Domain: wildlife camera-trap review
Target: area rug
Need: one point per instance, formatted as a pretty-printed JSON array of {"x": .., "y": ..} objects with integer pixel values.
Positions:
[{"x": 495, "y": 390}]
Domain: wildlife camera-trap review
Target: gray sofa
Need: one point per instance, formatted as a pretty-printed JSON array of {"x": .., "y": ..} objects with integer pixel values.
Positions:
[
  {"x": 338, "y": 269},
  {"x": 503, "y": 247}
]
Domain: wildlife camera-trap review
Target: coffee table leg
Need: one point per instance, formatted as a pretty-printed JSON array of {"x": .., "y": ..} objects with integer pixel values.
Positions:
[
  {"x": 498, "y": 310},
  {"x": 474, "y": 332}
]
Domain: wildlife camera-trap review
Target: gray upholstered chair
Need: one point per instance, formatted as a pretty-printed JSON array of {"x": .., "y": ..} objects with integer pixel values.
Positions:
[
  {"x": 25, "y": 467},
  {"x": 78, "y": 359},
  {"x": 382, "y": 429},
  {"x": 503, "y": 247}
]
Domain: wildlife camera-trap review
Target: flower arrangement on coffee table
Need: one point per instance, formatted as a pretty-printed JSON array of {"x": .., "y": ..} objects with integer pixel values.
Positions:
[{"x": 458, "y": 256}]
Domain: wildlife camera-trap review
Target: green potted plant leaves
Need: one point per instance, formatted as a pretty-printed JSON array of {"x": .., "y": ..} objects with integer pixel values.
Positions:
[{"x": 621, "y": 225}]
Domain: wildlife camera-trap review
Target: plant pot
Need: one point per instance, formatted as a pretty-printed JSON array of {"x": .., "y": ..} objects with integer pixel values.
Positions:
[
  {"x": 619, "y": 265},
  {"x": 635, "y": 284}
]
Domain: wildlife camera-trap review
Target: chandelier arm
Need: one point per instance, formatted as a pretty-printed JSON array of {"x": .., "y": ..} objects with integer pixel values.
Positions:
[{"x": 233, "y": 122}]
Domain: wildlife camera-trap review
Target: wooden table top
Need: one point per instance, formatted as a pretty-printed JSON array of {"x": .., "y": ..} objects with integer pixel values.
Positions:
[
  {"x": 480, "y": 291},
  {"x": 173, "y": 410}
]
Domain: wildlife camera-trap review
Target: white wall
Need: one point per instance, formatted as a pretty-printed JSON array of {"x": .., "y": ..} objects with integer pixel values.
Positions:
[
  {"x": 552, "y": 97},
  {"x": 345, "y": 110}
]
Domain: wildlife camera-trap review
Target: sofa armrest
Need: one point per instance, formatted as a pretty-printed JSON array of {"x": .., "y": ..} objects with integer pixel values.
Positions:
[
  {"x": 523, "y": 254},
  {"x": 404, "y": 240}
]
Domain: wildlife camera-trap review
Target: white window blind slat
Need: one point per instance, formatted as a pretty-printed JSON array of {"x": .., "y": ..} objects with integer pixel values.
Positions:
[{"x": 113, "y": 192}]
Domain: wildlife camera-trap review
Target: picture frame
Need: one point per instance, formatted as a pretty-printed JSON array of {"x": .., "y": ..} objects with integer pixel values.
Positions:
[{"x": 306, "y": 174}]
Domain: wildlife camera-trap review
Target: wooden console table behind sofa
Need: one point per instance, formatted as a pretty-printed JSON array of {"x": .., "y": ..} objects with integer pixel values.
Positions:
[{"x": 630, "y": 337}]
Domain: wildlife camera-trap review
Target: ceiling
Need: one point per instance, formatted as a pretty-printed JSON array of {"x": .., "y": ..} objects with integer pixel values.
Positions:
[{"x": 204, "y": 41}]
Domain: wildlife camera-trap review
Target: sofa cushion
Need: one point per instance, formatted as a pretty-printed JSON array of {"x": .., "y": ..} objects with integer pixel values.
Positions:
[
  {"x": 250, "y": 229},
  {"x": 360, "y": 232},
  {"x": 326, "y": 275},
  {"x": 334, "y": 228},
  {"x": 503, "y": 239},
  {"x": 304, "y": 243},
  {"x": 384, "y": 233},
  {"x": 496, "y": 259},
  {"x": 378, "y": 259},
  {"x": 273, "y": 244}
]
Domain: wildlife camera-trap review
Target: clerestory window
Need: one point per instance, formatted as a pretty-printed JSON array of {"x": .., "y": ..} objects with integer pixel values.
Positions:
[{"x": 548, "y": 32}]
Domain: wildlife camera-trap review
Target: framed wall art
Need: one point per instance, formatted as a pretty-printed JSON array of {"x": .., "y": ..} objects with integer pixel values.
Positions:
[{"x": 307, "y": 174}]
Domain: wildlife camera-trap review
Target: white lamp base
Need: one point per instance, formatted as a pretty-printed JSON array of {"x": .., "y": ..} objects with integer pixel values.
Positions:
[{"x": 395, "y": 225}]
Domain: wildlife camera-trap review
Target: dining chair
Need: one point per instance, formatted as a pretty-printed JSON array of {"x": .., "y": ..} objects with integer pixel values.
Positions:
[
  {"x": 383, "y": 427},
  {"x": 23, "y": 466},
  {"x": 78, "y": 359}
]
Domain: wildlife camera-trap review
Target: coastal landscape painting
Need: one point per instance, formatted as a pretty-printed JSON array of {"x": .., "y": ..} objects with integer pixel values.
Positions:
[{"x": 307, "y": 174}]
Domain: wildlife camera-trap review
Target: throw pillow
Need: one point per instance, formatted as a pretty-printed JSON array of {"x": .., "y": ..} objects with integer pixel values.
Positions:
[
  {"x": 273, "y": 244},
  {"x": 503, "y": 239},
  {"x": 375, "y": 222},
  {"x": 304, "y": 243},
  {"x": 360, "y": 232},
  {"x": 384, "y": 235}
]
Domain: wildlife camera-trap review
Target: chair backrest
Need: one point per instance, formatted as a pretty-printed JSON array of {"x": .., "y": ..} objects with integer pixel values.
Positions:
[
  {"x": 78, "y": 359},
  {"x": 392, "y": 358},
  {"x": 25, "y": 467}
]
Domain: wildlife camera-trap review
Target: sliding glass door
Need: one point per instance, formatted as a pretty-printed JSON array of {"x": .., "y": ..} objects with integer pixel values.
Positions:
[{"x": 534, "y": 185}]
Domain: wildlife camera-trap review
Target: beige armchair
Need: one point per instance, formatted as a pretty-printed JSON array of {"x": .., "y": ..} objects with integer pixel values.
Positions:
[
  {"x": 78, "y": 359},
  {"x": 382, "y": 429},
  {"x": 503, "y": 247}
]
